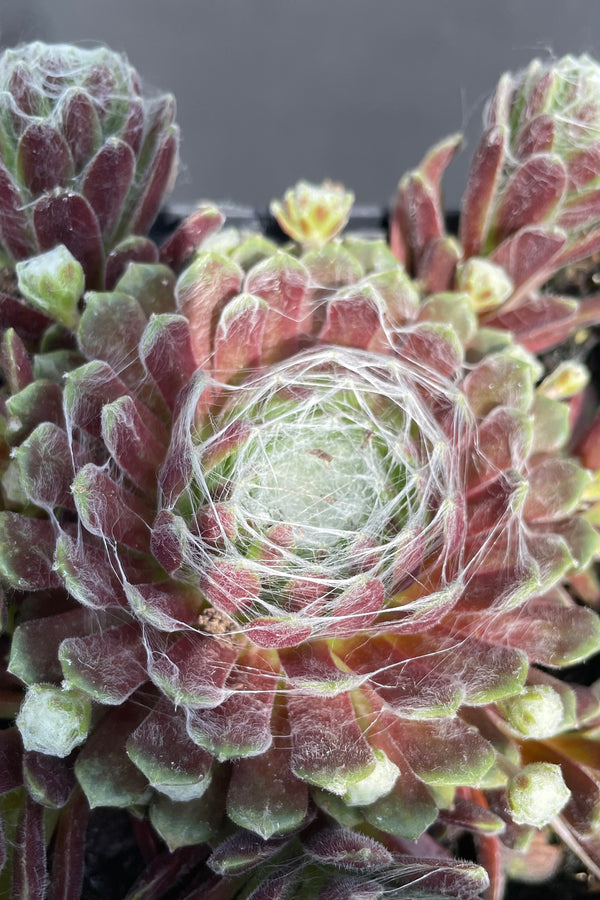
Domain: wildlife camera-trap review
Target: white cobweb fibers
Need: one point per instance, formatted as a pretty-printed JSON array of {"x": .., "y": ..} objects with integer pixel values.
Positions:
[{"x": 341, "y": 470}]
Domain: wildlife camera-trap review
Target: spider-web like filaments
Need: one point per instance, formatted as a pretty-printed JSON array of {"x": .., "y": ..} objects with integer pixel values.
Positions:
[{"x": 335, "y": 469}]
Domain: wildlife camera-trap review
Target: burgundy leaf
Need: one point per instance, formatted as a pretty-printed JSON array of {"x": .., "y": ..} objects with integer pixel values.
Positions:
[
  {"x": 439, "y": 157},
  {"x": 27, "y": 552},
  {"x": 583, "y": 166},
  {"x": 355, "y": 608},
  {"x": 162, "y": 172},
  {"x": 109, "y": 665},
  {"x": 132, "y": 445},
  {"x": 542, "y": 322},
  {"x": 167, "y": 606},
  {"x": 64, "y": 217},
  {"x": 80, "y": 126},
  {"x": 273, "y": 633},
  {"x": 202, "y": 291},
  {"x": 238, "y": 338},
  {"x": 483, "y": 180},
  {"x": 193, "y": 671},
  {"x": 22, "y": 87},
  {"x": 328, "y": 746},
  {"x": 531, "y": 194},
  {"x": 111, "y": 327},
  {"x": 133, "y": 129},
  {"x": 29, "y": 323},
  {"x": 347, "y": 849},
  {"x": 68, "y": 856},
  {"x": 580, "y": 211},
  {"x": 46, "y": 467},
  {"x": 40, "y": 401},
  {"x": 11, "y": 760},
  {"x": 14, "y": 227},
  {"x": 189, "y": 235},
  {"x": 88, "y": 573},
  {"x": 230, "y": 586},
  {"x": 34, "y": 652},
  {"x": 14, "y": 360},
  {"x": 283, "y": 282},
  {"x": 110, "y": 511},
  {"x": 423, "y": 213},
  {"x": 49, "y": 779},
  {"x": 242, "y": 852},
  {"x": 354, "y": 318},
  {"x": 239, "y": 726},
  {"x": 30, "y": 879},
  {"x": 537, "y": 136},
  {"x": 114, "y": 165},
  {"x": 43, "y": 159},
  {"x": 438, "y": 265},
  {"x": 166, "y": 351},
  {"x": 528, "y": 257},
  {"x": 132, "y": 249}
]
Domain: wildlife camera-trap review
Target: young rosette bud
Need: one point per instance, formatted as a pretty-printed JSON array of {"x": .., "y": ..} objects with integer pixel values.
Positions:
[
  {"x": 86, "y": 158},
  {"x": 313, "y": 214},
  {"x": 531, "y": 206},
  {"x": 313, "y": 528}
]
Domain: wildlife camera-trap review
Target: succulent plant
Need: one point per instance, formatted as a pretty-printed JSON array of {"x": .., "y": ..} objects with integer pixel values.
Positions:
[
  {"x": 531, "y": 206},
  {"x": 292, "y": 543},
  {"x": 85, "y": 157}
]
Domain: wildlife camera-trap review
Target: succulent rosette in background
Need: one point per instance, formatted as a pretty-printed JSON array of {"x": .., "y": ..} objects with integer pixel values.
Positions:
[
  {"x": 531, "y": 207},
  {"x": 86, "y": 158},
  {"x": 291, "y": 560}
]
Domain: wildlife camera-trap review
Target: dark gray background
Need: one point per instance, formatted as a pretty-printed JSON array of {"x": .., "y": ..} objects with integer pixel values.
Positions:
[{"x": 270, "y": 91}]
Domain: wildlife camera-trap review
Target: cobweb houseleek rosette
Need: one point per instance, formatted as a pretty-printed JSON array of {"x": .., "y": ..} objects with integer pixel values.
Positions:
[
  {"x": 530, "y": 208},
  {"x": 313, "y": 524},
  {"x": 86, "y": 157}
]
